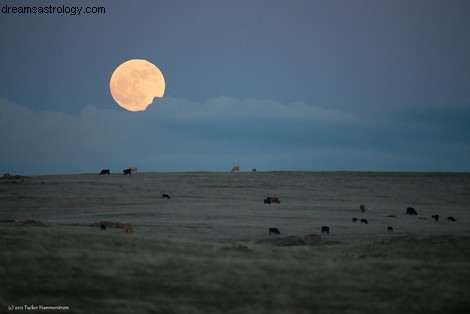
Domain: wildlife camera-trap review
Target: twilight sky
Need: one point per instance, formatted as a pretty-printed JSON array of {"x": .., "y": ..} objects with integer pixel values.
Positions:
[{"x": 272, "y": 85}]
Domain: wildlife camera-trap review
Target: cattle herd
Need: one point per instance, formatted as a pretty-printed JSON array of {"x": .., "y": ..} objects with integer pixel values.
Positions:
[
  {"x": 362, "y": 208},
  {"x": 125, "y": 171},
  {"x": 275, "y": 200}
]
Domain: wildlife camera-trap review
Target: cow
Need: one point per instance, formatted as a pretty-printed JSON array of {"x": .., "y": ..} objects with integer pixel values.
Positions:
[
  {"x": 235, "y": 169},
  {"x": 271, "y": 200},
  {"x": 435, "y": 217},
  {"x": 362, "y": 208},
  {"x": 133, "y": 169},
  {"x": 325, "y": 229},
  {"x": 274, "y": 230},
  {"x": 354, "y": 219},
  {"x": 127, "y": 228},
  {"x": 127, "y": 171},
  {"x": 411, "y": 211},
  {"x": 450, "y": 218},
  {"x": 166, "y": 196},
  {"x": 253, "y": 170},
  {"x": 364, "y": 221},
  {"x": 105, "y": 171},
  {"x": 390, "y": 229},
  {"x": 275, "y": 200},
  {"x": 103, "y": 226}
]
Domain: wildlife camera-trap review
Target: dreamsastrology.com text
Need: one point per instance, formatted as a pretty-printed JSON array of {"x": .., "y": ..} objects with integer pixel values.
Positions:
[{"x": 51, "y": 9}]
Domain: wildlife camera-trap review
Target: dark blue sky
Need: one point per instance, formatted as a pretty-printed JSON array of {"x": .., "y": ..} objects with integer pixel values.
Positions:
[{"x": 273, "y": 85}]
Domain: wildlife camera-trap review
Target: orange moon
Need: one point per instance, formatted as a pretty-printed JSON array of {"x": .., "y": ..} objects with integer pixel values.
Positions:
[{"x": 135, "y": 83}]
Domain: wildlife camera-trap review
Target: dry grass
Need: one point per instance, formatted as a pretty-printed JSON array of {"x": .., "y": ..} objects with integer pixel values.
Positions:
[
  {"x": 103, "y": 272},
  {"x": 207, "y": 250}
]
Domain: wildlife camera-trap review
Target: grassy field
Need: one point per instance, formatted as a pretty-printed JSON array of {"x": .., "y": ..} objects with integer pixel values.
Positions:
[
  {"x": 207, "y": 249},
  {"x": 94, "y": 271}
]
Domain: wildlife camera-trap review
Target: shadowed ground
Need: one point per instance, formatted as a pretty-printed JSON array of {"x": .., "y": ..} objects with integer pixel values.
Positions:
[{"x": 116, "y": 273}]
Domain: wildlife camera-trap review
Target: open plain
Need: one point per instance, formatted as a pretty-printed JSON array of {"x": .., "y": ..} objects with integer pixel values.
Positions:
[{"x": 207, "y": 248}]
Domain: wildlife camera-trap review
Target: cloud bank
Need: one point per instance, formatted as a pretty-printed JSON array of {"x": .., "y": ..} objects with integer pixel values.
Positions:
[{"x": 179, "y": 135}]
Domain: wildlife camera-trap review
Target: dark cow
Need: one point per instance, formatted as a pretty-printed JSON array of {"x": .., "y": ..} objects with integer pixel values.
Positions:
[
  {"x": 362, "y": 208},
  {"x": 166, "y": 196},
  {"x": 105, "y": 171},
  {"x": 325, "y": 229},
  {"x": 127, "y": 171},
  {"x": 435, "y": 217},
  {"x": 364, "y": 221},
  {"x": 103, "y": 227},
  {"x": 450, "y": 218},
  {"x": 411, "y": 211},
  {"x": 354, "y": 219},
  {"x": 274, "y": 230},
  {"x": 390, "y": 229},
  {"x": 272, "y": 200}
]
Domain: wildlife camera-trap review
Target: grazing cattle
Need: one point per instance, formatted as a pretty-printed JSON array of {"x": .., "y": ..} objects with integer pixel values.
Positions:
[
  {"x": 253, "y": 170},
  {"x": 103, "y": 227},
  {"x": 362, "y": 208},
  {"x": 390, "y": 229},
  {"x": 364, "y": 221},
  {"x": 166, "y": 196},
  {"x": 271, "y": 200},
  {"x": 325, "y": 229},
  {"x": 411, "y": 211},
  {"x": 133, "y": 169},
  {"x": 450, "y": 218},
  {"x": 127, "y": 171},
  {"x": 105, "y": 171},
  {"x": 274, "y": 230},
  {"x": 235, "y": 169},
  {"x": 354, "y": 219},
  {"x": 435, "y": 217}
]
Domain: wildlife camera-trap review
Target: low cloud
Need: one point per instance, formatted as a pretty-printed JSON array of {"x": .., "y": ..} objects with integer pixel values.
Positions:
[{"x": 180, "y": 135}]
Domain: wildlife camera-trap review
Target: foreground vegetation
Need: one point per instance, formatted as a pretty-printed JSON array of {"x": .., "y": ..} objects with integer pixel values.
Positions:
[{"x": 94, "y": 271}]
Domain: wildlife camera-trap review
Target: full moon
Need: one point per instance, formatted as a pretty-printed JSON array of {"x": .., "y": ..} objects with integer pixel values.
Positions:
[{"x": 135, "y": 83}]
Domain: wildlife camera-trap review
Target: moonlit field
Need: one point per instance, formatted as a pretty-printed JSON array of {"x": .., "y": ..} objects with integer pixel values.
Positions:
[
  {"x": 207, "y": 248},
  {"x": 235, "y": 157}
]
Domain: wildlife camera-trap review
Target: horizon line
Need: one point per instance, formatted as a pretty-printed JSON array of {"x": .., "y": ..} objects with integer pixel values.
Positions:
[{"x": 8, "y": 175}]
